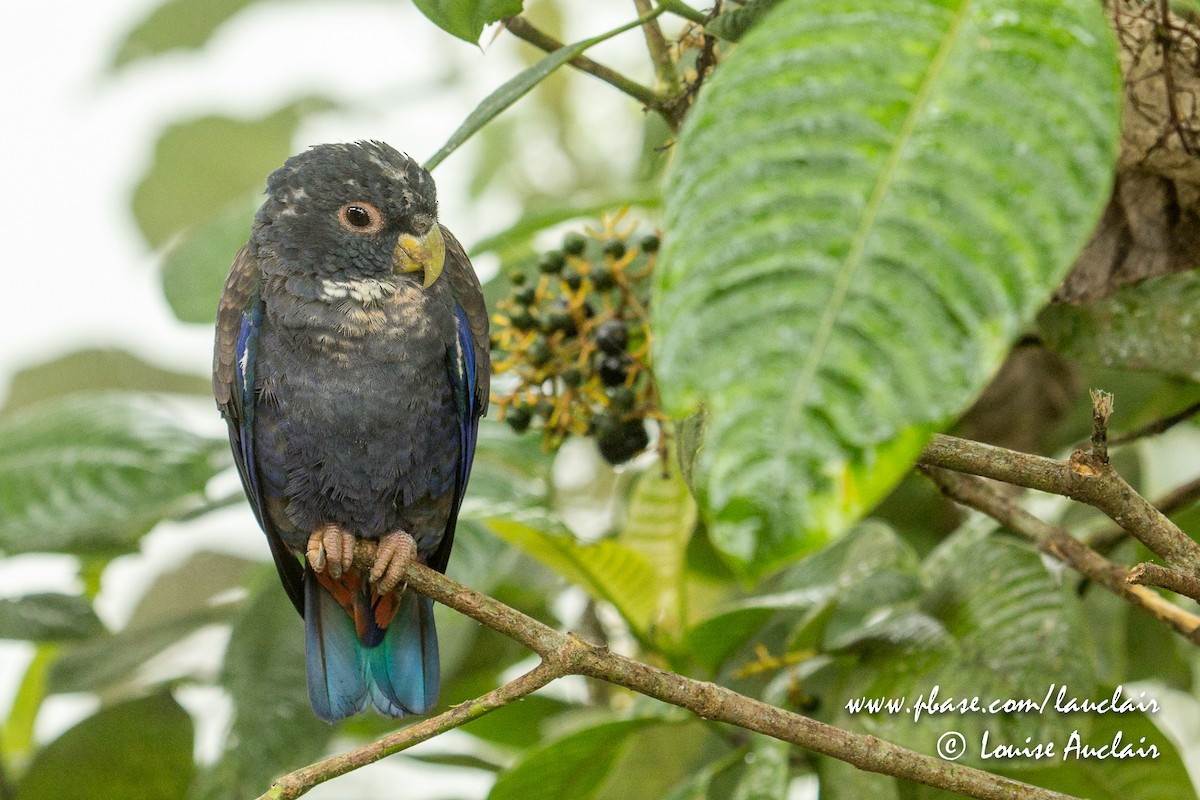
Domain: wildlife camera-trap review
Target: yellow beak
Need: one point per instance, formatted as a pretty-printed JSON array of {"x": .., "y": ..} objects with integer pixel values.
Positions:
[{"x": 426, "y": 254}]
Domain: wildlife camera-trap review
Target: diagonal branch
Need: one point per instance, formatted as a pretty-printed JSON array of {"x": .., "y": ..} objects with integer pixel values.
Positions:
[
  {"x": 1156, "y": 575},
  {"x": 526, "y": 31},
  {"x": 1081, "y": 478},
  {"x": 1050, "y": 539},
  {"x": 567, "y": 654},
  {"x": 297, "y": 783}
]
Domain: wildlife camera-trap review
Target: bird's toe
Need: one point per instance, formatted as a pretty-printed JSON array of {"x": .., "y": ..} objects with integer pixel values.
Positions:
[
  {"x": 392, "y": 557},
  {"x": 331, "y": 548}
]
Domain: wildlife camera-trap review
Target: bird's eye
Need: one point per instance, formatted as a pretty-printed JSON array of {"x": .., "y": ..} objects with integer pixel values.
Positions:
[{"x": 360, "y": 218}]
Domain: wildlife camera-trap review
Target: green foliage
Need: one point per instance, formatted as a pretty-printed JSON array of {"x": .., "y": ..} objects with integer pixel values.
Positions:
[
  {"x": 196, "y": 263},
  {"x": 202, "y": 166},
  {"x": 867, "y": 203},
  {"x": 176, "y": 25},
  {"x": 95, "y": 760},
  {"x": 96, "y": 370},
  {"x": 274, "y": 729},
  {"x": 467, "y": 18},
  {"x": 574, "y": 766},
  {"x": 1148, "y": 326},
  {"x": 847, "y": 164},
  {"x": 513, "y": 89},
  {"x": 91, "y": 473},
  {"x": 609, "y": 570},
  {"x": 47, "y": 617},
  {"x": 1005, "y": 629}
]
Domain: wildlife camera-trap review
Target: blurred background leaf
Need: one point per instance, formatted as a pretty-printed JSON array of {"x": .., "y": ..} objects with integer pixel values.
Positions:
[{"x": 92, "y": 760}]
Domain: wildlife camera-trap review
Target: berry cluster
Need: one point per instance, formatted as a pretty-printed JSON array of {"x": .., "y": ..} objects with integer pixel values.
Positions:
[{"x": 576, "y": 340}]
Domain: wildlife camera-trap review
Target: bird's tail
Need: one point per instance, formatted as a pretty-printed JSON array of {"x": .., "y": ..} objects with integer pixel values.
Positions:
[{"x": 364, "y": 648}]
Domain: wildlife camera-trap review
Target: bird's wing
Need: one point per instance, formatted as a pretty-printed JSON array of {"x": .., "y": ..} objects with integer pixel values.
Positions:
[
  {"x": 239, "y": 320},
  {"x": 469, "y": 363}
]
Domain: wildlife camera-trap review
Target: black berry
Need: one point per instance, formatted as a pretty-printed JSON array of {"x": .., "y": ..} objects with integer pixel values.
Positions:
[
  {"x": 622, "y": 399},
  {"x": 615, "y": 248},
  {"x": 572, "y": 378},
  {"x": 611, "y": 336},
  {"x": 538, "y": 354},
  {"x": 518, "y": 418},
  {"x": 551, "y": 262},
  {"x": 623, "y": 441},
  {"x": 602, "y": 278},
  {"x": 612, "y": 369},
  {"x": 650, "y": 243},
  {"x": 574, "y": 244}
]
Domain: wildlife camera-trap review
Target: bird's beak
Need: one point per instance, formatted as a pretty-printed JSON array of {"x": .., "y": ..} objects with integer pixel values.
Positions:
[{"x": 427, "y": 254}]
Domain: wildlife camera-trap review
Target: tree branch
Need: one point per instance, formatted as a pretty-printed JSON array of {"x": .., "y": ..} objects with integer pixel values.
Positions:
[
  {"x": 660, "y": 53},
  {"x": 1154, "y": 575},
  {"x": 1053, "y": 540},
  {"x": 1177, "y": 499},
  {"x": 526, "y": 31},
  {"x": 1080, "y": 478},
  {"x": 567, "y": 654},
  {"x": 1157, "y": 426},
  {"x": 297, "y": 783}
]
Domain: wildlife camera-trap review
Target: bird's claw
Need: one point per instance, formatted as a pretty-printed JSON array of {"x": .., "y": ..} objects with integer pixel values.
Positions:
[
  {"x": 393, "y": 555},
  {"x": 331, "y": 549}
]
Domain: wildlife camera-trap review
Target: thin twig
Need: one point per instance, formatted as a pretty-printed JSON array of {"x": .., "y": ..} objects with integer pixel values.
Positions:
[
  {"x": 566, "y": 654},
  {"x": 682, "y": 9},
  {"x": 1102, "y": 408},
  {"x": 1080, "y": 478},
  {"x": 1053, "y": 540},
  {"x": 526, "y": 31},
  {"x": 1157, "y": 426},
  {"x": 1148, "y": 574},
  {"x": 297, "y": 783},
  {"x": 660, "y": 52}
]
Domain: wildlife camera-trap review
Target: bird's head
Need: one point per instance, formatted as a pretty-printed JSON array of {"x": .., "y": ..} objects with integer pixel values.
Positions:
[{"x": 348, "y": 211}]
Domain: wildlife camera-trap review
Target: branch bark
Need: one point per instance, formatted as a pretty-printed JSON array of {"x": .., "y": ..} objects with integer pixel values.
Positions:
[
  {"x": 526, "y": 31},
  {"x": 1080, "y": 478},
  {"x": 1174, "y": 580},
  {"x": 566, "y": 654},
  {"x": 1050, "y": 539}
]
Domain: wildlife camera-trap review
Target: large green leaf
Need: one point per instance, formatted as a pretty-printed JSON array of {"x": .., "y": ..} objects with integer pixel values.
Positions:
[
  {"x": 659, "y": 525},
  {"x": 574, "y": 766},
  {"x": 195, "y": 266},
  {"x": 90, "y": 473},
  {"x": 203, "y": 165},
  {"x": 467, "y": 18},
  {"x": 1150, "y": 326},
  {"x": 868, "y": 201},
  {"x": 97, "y": 369},
  {"x": 48, "y": 617},
  {"x": 139, "y": 750},
  {"x": 607, "y": 570},
  {"x": 869, "y": 555},
  {"x": 1162, "y": 776},
  {"x": 1009, "y": 630},
  {"x": 176, "y": 25}
]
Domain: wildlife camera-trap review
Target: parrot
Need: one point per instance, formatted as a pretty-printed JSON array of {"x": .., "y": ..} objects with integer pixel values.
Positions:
[{"x": 351, "y": 365}]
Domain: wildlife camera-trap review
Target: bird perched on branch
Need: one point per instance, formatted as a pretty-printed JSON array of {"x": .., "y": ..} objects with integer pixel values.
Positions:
[{"x": 352, "y": 368}]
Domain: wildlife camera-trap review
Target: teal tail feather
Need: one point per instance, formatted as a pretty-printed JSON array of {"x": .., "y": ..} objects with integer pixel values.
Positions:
[{"x": 395, "y": 669}]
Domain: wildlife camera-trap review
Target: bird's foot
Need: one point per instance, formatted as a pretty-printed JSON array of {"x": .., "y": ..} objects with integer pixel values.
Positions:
[
  {"x": 394, "y": 553},
  {"x": 331, "y": 549}
]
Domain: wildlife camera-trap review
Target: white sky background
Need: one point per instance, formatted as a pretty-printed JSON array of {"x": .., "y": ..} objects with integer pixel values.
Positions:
[{"x": 76, "y": 139}]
